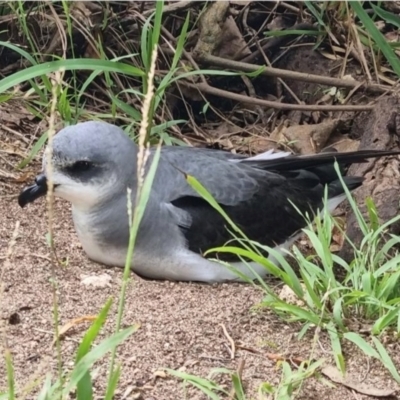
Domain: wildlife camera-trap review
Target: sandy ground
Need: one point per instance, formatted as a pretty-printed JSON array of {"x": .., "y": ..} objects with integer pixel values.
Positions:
[{"x": 180, "y": 323}]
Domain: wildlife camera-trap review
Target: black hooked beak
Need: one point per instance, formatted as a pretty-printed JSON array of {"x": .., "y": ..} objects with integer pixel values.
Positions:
[{"x": 33, "y": 192}]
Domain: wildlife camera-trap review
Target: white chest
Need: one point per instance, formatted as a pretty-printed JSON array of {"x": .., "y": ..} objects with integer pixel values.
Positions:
[{"x": 97, "y": 251}]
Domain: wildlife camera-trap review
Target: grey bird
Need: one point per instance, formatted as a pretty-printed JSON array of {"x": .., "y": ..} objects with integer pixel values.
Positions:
[{"x": 95, "y": 162}]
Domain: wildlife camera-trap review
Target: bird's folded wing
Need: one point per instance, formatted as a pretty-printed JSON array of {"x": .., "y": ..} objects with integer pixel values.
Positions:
[{"x": 228, "y": 182}]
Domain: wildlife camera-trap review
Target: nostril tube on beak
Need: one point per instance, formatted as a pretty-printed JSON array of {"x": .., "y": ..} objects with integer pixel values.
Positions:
[{"x": 33, "y": 192}]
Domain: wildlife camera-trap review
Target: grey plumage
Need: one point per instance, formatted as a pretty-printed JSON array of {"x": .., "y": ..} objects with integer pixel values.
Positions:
[{"x": 95, "y": 162}]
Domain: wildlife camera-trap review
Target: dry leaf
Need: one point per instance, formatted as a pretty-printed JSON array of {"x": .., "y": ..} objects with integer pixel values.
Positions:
[
  {"x": 219, "y": 34},
  {"x": 232, "y": 42},
  {"x": 306, "y": 139},
  {"x": 334, "y": 375},
  {"x": 337, "y": 142},
  {"x": 65, "y": 328}
]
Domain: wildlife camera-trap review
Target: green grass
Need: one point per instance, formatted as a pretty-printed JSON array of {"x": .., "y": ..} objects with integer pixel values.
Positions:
[{"x": 369, "y": 290}]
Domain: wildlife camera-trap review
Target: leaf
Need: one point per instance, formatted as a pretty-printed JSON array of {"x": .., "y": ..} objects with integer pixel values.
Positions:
[
  {"x": 361, "y": 344},
  {"x": 207, "y": 386},
  {"x": 10, "y": 375},
  {"x": 73, "y": 64},
  {"x": 95, "y": 354},
  {"x": 84, "y": 386},
  {"x": 372, "y": 213},
  {"x": 379, "y": 39},
  {"x": 334, "y": 375},
  {"x": 336, "y": 347},
  {"x": 386, "y": 15},
  {"x": 386, "y": 360},
  {"x": 199, "y": 188},
  {"x": 112, "y": 383},
  {"x": 35, "y": 149}
]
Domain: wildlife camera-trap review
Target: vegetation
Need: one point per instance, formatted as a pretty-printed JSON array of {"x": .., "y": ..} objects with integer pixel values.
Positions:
[{"x": 112, "y": 79}]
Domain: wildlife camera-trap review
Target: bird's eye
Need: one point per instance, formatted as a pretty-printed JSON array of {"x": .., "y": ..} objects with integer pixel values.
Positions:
[{"x": 79, "y": 166}]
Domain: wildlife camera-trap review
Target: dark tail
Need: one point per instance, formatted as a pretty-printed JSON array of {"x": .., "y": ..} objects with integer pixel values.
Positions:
[
  {"x": 295, "y": 162},
  {"x": 335, "y": 187}
]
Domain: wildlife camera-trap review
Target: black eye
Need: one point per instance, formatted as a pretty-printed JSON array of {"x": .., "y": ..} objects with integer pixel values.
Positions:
[{"x": 79, "y": 166}]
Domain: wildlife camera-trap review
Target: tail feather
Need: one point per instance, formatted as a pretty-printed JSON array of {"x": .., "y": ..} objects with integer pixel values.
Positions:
[
  {"x": 294, "y": 162},
  {"x": 335, "y": 187}
]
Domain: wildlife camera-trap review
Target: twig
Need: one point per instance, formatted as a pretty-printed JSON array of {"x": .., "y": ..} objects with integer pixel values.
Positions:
[
  {"x": 285, "y": 74},
  {"x": 280, "y": 80},
  {"x": 278, "y": 41},
  {"x": 171, "y": 8},
  {"x": 184, "y": 52},
  {"x": 230, "y": 340},
  {"x": 272, "y": 104},
  {"x": 360, "y": 51},
  {"x": 14, "y": 132}
]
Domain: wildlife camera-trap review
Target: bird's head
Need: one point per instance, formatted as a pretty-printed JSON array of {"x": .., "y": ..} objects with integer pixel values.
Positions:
[{"x": 90, "y": 161}]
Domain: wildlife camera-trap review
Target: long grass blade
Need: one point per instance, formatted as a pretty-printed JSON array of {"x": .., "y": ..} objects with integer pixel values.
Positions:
[{"x": 379, "y": 39}]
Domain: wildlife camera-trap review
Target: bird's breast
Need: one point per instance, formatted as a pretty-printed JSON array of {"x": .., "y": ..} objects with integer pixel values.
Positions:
[{"x": 88, "y": 235}]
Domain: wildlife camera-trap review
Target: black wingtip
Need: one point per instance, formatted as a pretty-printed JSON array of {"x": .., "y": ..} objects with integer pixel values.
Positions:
[{"x": 293, "y": 162}]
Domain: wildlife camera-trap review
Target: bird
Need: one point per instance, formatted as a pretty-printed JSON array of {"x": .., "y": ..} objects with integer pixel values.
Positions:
[{"x": 95, "y": 162}]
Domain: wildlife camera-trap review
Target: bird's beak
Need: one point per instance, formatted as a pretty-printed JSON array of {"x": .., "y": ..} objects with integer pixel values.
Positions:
[{"x": 33, "y": 192}]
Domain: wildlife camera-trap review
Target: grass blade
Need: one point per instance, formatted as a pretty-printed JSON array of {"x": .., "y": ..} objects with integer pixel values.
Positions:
[
  {"x": 112, "y": 383},
  {"x": 73, "y": 64},
  {"x": 95, "y": 354},
  {"x": 379, "y": 39},
  {"x": 361, "y": 344},
  {"x": 10, "y": 375},
  {"x": 84, "y": 387},
  {"x": 386, "y": 360}
]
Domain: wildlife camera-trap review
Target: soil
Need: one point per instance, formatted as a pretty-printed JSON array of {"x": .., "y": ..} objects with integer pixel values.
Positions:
[{"x": 180, "y": 323}]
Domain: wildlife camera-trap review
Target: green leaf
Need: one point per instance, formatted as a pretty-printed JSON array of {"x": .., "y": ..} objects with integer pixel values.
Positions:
[
  {"x": 205, "y": 385},
  {"x": 35, "y": 149},
  {"x": 372, "y": 213},
  {"x": 127, "y": 109},
  {"x": 157, "y": 24},
  {"x": 298, "y": 312},
  {"x": 386, "y": 320},
  {"x": 386, "y": 360},
  {"x": 50, "y": 390},
  {"x": 95, "y": 354},
  {"x": 10, "y": 375},
  {"x": 199, "y": 188},
  {"x": 74, "y": 64},
  {"x": 386, "y": 15},
  {"x": 361, "y": 344},
  {"x": 84, "y": 387},
  {"x": 336, "y": 347},
  {"x": 237, "y": 385},
  {"x": 112, "y": 383},
  {"x": 360, "y": 219},
  {"x": 379, "y": 39}
]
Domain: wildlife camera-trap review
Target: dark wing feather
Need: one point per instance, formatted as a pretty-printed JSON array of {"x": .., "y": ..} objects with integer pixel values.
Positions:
[
  {"x": 267, "y": 216},
  {"x": 294, "y": 162}
]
